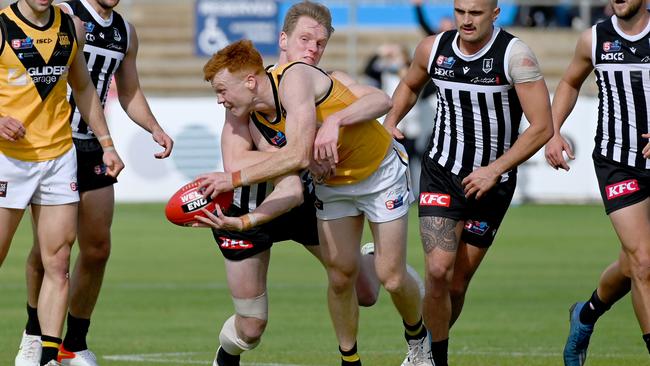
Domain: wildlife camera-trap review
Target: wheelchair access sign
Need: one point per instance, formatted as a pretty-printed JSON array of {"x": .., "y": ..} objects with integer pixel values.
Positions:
[{"x": 221, "y": 22}]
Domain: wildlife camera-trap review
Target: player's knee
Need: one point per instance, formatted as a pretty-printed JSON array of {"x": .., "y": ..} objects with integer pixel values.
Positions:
[
  {"x": 392, "y": 281},
  {"x": 230, "y": 340},
  {"x": 341, "y": 279},
  {"x": 457, "y": 289},
  {"x": 367, "y": 296},
  {"x": 56, "y": 264},
  {"x": 439, "y": 272},
  {"x": 640, "y": 267},
  {"x": 253, "y": 315},
  {"x": 96, "y": 254}
]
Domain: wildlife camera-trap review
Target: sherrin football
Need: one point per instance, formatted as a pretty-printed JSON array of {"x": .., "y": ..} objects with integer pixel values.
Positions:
[{"x": 187, "y": 202}]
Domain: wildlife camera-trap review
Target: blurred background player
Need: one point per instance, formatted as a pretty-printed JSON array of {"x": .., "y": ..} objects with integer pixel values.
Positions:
[
  {"x": 37, "y": 160},
  {"x": 114, "y": 54},
  {"x": 486, "y": 78},
  {"x": 618, "y": 49}
]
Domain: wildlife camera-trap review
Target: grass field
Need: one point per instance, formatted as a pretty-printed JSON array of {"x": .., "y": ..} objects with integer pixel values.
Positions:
[{"x": 165, "y": 297}]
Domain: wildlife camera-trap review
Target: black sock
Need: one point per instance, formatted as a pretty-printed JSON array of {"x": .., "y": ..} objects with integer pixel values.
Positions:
[
  {"x": 593, "y": 309},
  {"x": 439, "y": 352},
  {"x": 416, "y": 331},
  {"x": 50, "y": 349},
  {"x": 351, "y": 357},
  {"x": 646, "y": 339},
  {"x": 226, "y": 359},
  {"x": 33, "y": 327},
  {"x": 75, "y": 336}
]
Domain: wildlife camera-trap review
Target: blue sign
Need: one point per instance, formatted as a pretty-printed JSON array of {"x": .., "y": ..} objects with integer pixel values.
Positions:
[{"x": 221, "y": 22}]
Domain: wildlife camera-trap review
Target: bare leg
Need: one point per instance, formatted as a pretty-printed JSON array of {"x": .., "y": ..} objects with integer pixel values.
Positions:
[
  {"x": 34, "y": 271},
  {"x": 613, "y": 284},
  {"x": 468, "y": 259},
  {"x": 95, "y": 219},
  {"x": 390, "y": 260},
  {"x": 57, "y": 227},
  {"x": 340, "y": 240},
  {"x": 632, "y": 224},
  {"x": 9, "y": 219}
]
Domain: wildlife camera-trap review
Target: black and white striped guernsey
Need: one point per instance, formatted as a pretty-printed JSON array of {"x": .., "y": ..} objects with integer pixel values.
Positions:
[
  {"x": 622, "y": 67},
  {"x": 478, "y": 112},
  {"x": 107, "y": 42}
]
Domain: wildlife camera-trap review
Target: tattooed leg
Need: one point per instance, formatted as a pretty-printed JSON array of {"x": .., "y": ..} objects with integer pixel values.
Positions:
[{"x": 440, "y": 237}]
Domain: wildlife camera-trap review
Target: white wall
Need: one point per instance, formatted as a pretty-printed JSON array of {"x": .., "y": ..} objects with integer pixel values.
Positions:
[{"x": 195, "y": 125}]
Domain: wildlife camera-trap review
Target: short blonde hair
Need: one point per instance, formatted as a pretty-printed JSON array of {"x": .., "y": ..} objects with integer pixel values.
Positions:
[
  {"x": 240, "y": 56},
  {"x": 319, "y": 12}
]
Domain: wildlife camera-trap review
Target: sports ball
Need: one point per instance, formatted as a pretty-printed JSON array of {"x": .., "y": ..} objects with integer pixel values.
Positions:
[{"x": 187, "y": 202}]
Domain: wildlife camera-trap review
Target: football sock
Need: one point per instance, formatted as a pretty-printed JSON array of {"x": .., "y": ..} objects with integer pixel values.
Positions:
[
  {"x": 226, "y": 359},
  {"x": 646, "y": 339},
  {"x": 439, "y": 352},
  {"x": 50, "y": 349},
  {"x": 593, "y": 309},
  {"x": 351, "y": 357},
  {"x": 75, "y": 336},
  {"x": 416, "y": 331},
  {"x": 33, "y": 327}
]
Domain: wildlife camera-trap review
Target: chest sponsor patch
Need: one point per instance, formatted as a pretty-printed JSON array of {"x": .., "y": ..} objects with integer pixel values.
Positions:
[
  {"x": 434, "y": 199},
  {"x": 621, "y": 189}
]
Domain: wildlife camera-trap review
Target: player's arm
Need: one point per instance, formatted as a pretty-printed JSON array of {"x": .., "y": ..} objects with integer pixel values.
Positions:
[
  {"x": 533, "y": 95},
  {"x": 298, "y": 94},
  {"x": 408, "y": 89},
  {"x": 371, "y": 103},
  {"x": 88, "y": 103},
  {"x": 565, "y": 99},
  {"x": 133, "y": 101}
]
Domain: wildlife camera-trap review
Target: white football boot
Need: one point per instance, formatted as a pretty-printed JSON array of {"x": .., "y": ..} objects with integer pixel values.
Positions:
[
  {"x": 29, "y": 351},
  {"x": 419, "y": 353},
  {"x": 80, "y": 358}
]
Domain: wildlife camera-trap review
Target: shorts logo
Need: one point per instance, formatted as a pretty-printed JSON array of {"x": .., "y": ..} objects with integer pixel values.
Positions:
[
  {"x": 73, "y": 186},
  {"x": 393, "y": 204},
  {"x": 318, "y": 204},
  {"x": 477, "y": 227},
  {"x": 621, "y": 189},
  {"x": 234, "y": 244},
  {"x": 3, "y": 189},
  {"x": 434, "y": 199}
]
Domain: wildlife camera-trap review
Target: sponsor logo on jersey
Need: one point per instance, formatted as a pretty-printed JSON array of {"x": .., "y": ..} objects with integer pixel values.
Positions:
[
  {"x": 64, "y": 40},
  {"x": 465, "y": 69},
  {"x": 116, "y": 35},
  {"x": 89, "y": 26},
  {"x": 43, "y": 41},
  {"x": 234, "y": 244},
  {"x": 618, "y": 56},
  {"x": 435, "y": 199},
  {"x": 633, "y": 49},
  {"x": 3, "y": 189},
  {"x": 486, "y": 80},
  {"x": 477, "y": 227},
  {"x": 621, "y": 189},
  {"x": 612, "y": 46},
  {"x": 40, "y": 74},
  {"x": 22, "y": 44},
  {"x": 446, "y": 62},
  {"x": 90, "y": 37},
  {"x": 279, "y": 139},
  {"x": 393, "y": 204},
  {"x": 487, "y": 65},
  {"x": 100, "y": 169},
  {"x": 646, "y": 59},
  {"x": 443, "y": 72}
]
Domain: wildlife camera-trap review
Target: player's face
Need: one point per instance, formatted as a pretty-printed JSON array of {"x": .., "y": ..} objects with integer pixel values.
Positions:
[
  {"x": 233, "y": 91},
  {"x": 475, "y": 20},
  {"x": 626, "y": 9},
  {"x": 306, "y": 43}
]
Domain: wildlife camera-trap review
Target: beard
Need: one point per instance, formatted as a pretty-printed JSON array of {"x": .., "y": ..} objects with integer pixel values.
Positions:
[{"x": 631, "y": 11}]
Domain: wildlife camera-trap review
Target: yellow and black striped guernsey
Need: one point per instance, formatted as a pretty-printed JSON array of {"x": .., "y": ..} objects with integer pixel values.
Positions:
[
  {"x": 34, "y": 64},
  {"x": 361, "y": 146}
]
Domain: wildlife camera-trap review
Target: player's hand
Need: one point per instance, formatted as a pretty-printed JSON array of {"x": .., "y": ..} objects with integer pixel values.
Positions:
[
  {"x": 163, "y": 140},
  {"x": 554, "y": 150},
  {"x": 394, "y": 131},
  {"x": 211, "y": 184},
  {"x": 114, "y": 164},
  {"x": 480, "y": 181},
  {"x": 11, "y": 129},
  {"x": 320, "y": 172},
  {"x": 325, "y": 144},
  {"x": 646, "y": 149},
  {"x": 218, "y": 220}
]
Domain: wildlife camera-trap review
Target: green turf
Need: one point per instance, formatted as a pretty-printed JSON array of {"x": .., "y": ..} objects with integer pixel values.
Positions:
[{"x": 165, "y": 297}]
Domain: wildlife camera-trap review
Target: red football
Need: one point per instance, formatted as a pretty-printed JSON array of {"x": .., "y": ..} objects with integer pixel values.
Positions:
[{"x": 187, "y": 202}]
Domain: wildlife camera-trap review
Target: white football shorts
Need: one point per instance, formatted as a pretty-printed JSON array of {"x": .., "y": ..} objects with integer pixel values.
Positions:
[
  {"x": 48, "y": 183},
  {"x": 383, "y": 196}
]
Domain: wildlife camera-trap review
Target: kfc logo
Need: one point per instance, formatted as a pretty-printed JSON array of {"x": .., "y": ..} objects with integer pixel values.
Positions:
[
  {"x": 621, "y": 189},
  {"x": 434, "y": 199},
  {"x": 233, "y": 244}
]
